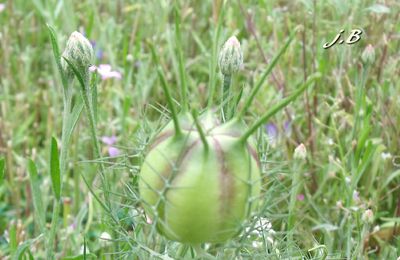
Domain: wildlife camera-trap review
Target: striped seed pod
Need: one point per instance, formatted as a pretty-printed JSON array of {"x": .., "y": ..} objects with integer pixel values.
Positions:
[{"x": 199, "y": 192}]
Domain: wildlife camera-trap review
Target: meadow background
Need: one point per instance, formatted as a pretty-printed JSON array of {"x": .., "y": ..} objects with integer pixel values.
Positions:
[{"x": 347, "y": 190}]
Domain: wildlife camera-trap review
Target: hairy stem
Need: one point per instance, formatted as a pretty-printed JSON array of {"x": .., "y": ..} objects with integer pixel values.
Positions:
[{"x": 226, "y": 97}]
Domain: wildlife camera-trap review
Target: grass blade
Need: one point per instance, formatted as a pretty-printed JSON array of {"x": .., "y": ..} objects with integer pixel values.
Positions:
[
  {"x": 272, "y": 64},
  {"x": 2, "y": 170},
  {"x": 275, "y": 109}
]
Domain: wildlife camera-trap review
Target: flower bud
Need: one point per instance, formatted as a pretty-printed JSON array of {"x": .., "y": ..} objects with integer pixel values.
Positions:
[
  {"x": 230, "y": 56},
  {"x": 79, "y": 51},
  {"x": 368, "y": 55},
  {"x": 368, "y": 216},
  {"x": 300, "y": 152}
]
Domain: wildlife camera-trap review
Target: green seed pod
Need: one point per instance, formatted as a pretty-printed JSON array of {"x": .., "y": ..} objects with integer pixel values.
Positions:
[
  {"x": 79, "y": 51},
  {"x": 230, "y": 57},
  {"x": 198, "y": 192}
]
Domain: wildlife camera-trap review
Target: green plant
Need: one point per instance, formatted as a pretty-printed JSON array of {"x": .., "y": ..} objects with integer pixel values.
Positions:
[{"x": 201, "y": 177}]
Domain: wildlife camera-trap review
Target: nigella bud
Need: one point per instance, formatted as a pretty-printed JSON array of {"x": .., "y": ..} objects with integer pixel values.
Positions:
[
  {"x": 368, "y": 55},
  {"x": 79, "y": 51},
  {"x": 230, "y": 56}
]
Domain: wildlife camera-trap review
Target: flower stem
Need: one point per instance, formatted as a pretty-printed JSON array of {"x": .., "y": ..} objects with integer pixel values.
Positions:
[{"x": 226, "y": 97}]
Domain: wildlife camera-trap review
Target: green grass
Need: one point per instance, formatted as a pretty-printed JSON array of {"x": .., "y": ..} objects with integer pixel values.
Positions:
[{"x": 58, "y": 196}]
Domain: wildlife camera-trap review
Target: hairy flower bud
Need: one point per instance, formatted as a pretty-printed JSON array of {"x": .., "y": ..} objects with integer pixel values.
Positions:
[
  {"x": 230, "y": 56},
  {"x": 79, "y": 51},
  {"x": 368, "y": 216},
  {"x": 368, "y": 55},
  {"x": 300, "y": 152}
]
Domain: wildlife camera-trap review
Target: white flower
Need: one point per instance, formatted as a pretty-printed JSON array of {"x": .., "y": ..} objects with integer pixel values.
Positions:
[
  {"x": 105, "y": 236},
  {"x": 386, "y": 155},
  {"x": 82, "y": 249},
  {"x": 2, "y": 7}
]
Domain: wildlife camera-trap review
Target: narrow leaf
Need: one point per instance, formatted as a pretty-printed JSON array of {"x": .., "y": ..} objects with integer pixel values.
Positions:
[
  {"x": 77, "y": 73},
  {"x": 2, "y": 170},
  {"x": 37, "y": 195},
  {"x": 279, "y": 106},
  {"x": 55, "y": 169},
  {"x": 57, "y": 56},
  {"x": 271, "y": 66}
]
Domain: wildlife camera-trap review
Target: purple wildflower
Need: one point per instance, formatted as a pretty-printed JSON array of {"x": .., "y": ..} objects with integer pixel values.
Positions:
[
  {"x": 113, "y": 151},
  {"x": 300, "y": 197},
  {"x": 2, "y": 7},
  {"x": 109, "y": 141},
  {"x": 105, "y": 71},
  {"x": 272, "y": 130},
  {"x": 287, "y": 126}
]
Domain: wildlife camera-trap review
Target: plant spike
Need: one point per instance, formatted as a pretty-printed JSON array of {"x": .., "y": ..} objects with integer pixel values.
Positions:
[
  {"x": 275, "y": 109},
  {"x": 272, "y": 64},
  {"x": 164, "y": 85},
  {"x": 214, "y": 58},
  {"x": 182, "y": 74},
  {"x": 200, "y": 130}
]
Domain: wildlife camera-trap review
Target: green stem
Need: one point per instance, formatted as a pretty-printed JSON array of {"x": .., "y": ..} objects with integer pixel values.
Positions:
[
  {"x": 200, "y": 130},
  {"x": 181, "y": 63},
  {"x": 226, "y": 97},
  {"x": 213, "y": 60},
  {"x": 295, "y": 189},
  {"x": 63, "y": 169},
  {"x": 164, "y": 85},
  {"x": 93, "y": 133},
  {"x": 275, "y": 109}
]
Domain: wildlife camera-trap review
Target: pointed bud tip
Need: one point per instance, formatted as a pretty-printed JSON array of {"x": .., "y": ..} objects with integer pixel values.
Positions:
[{"x": 230, "y": 56}]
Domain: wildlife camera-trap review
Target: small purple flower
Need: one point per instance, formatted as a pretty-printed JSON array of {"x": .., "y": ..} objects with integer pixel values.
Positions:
[
  {"x": 105, "y": 71},
  {"x": 2, "y": 7},
  {"x": 113, "y": 151},
  {"x": 356, "y": 196},
  {"x": 109, "y": 141},
  {"x": 272, "y": 130},
  {"x": 287, "y": 126},
  {"x": 300, "y": 197}
]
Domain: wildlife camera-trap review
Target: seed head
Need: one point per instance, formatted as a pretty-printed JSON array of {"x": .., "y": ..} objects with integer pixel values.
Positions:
[
  {"x": 230, "y": 56},
  {"x": 80, "y": 52}
]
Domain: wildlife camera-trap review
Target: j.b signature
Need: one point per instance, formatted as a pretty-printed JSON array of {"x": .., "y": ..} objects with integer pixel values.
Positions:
[{"x": 354, "y": 37}]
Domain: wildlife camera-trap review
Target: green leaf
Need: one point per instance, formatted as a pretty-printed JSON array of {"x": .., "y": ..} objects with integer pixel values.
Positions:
[
  {"x": 22, "y": 249},
  {"x": 37, "y": 195},
  {"x": 73, "y": 118},
  {"x": 2, "y": 170},
  {"x": 57, "y": 57},
  {"x": 77, "y": 73},
  {"x": 55, "y": 169}
]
